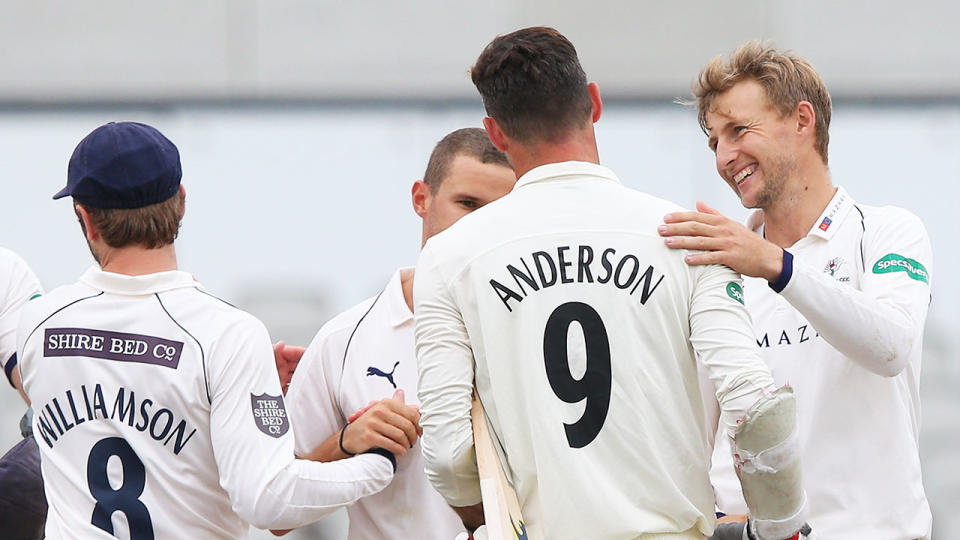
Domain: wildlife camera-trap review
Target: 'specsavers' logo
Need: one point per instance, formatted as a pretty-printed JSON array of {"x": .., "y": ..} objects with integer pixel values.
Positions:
[
  {"x": 270, "y": 414},
  {"x": 735, "y": 291},
  {"x": 898, "y": 263}
]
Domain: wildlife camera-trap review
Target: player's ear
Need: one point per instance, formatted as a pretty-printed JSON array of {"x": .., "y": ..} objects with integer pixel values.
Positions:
[
  {"x": 86, "y": 223},
  {"x": 595, "y": 101},
  {"x": 183, "y": 198},
  {"x": 420, "y": 193},
  {"x": 806, "y": 119},
  {"x": 497, "y": 136}
]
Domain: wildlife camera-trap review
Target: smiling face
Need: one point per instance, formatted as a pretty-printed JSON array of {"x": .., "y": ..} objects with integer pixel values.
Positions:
[
  {"x": 753, "y": 144},
  {"x": 469, "y": 184}
]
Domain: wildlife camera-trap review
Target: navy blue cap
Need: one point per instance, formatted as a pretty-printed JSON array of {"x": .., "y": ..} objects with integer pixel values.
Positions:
[{"x": 123, "y": 165}]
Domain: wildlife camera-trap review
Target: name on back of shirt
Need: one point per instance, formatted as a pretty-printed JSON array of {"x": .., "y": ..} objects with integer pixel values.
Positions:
[
  {"x": 575, "y": 264},
  {"x": 121, "y": 405}
]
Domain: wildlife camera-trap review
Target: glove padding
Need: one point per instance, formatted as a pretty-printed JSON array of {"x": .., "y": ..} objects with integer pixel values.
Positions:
[{"x": 740, "y": 531}]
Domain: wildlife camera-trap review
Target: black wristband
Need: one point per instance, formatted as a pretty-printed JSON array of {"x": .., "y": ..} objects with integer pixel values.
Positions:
[
  {"x": 385, "y": 453},
  {"x": 342, "y": 449},
  {"x": 785, "y": 274},
  {"x": 8, "y": 369}
]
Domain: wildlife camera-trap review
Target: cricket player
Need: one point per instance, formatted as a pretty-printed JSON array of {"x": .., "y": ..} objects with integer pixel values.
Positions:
[
  {"x": 20, "y": 285},
  {"x": 837, "y": 290},
  {"x": 23, "y": 508},
  {"x": 582, "y": 333},
  {"x": 367, "y": 354},
  {"x": 158, "y": 406}
]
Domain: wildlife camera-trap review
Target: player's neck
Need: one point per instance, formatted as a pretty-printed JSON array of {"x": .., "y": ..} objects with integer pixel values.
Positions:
[
  {"x": 792, "y": 215},
  {"x": 138, "y": 260},
  {"x": 581, "y": 146}
]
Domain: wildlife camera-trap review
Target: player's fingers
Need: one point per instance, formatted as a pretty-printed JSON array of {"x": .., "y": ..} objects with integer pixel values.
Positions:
[
  {"x": 695, "y": 259},
  {"x": 688, "y": 228},
  {"x": 707, "y": 209},
  {"x": 278, "y": 353},
  {"x": 701, "y": 217},
  {"x": 390, "y": 445},
  {"x": 408, "y": 426},
  {"x": 399, "y": 431},
  {"x": 695, "y": 243},
  {"x": 399, "y": 395},
  {"x": 409, "y": 412},
  {"x": 293, "y": 353},
  {"x": 360, "y": 412}
]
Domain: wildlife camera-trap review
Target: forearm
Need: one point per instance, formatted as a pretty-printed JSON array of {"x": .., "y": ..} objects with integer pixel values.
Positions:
[
  {"x": 722, "y": 337},
  {"x": 305, "y": 491},
  {"x": 328, "y": 450},
  {"x": 445, "y": 387},
  {"x": 876, "y": 334},
  {"x": 447, "y": 443}
]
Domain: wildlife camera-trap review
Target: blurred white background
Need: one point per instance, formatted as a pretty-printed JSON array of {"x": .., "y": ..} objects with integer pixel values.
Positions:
[{"x": 302, "y": 126}]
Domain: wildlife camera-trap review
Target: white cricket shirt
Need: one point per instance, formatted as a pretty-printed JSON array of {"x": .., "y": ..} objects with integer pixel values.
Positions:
[
  {"x": 581, "y": 328},
  {"x": 846, "y": 333},
  {"x": 158, "y": 411},
  {"x": 365, "y": 354},
  {"x": 18, "y": 285}
]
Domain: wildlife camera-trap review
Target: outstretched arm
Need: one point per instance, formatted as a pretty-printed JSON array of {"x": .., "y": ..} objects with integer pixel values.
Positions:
[{"x": 877, "y": 325}]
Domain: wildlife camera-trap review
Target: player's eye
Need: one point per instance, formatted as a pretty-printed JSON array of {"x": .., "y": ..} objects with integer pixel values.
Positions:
[
  {"x": 739, "y": 130},
  {"x": 468, "y": 203}
]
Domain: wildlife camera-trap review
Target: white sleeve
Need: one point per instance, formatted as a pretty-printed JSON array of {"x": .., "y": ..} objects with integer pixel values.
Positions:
[
  {"x": 446, "y": 371},
  {"x": 312, "y": 400},
  {"x": 722, "y": 337},
  {"x": 269, "y": 488},
  {"x": 20, "y": 287},
  {"x": 879, "y": 325}
]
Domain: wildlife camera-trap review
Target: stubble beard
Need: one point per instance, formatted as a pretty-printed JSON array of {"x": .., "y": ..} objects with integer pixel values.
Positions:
[{"x": 778, "y": 172}]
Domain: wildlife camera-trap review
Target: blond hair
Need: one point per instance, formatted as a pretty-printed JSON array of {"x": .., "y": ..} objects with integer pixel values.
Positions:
[
  {"x": 151, "y": 226},
  {"x": 786, "y": 78}
]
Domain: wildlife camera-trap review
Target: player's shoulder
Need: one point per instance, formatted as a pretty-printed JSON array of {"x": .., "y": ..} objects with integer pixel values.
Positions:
[
  {"x": 10, "y": 259},
  {"x": 42, "y": 306},
  {"x": 889, "y": 215},
  {"x": 342, "y": 324},
  {"x": 886, "y": 227},
  {"x": 206, "y": 311},
  {"x": 653, "y": 203},
  {"x": 13, "y": 266},
  {"x": 326, "y": 350}
]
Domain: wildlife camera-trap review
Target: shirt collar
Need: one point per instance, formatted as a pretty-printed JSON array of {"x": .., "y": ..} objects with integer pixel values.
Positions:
[
  {"x": 552, "y": 171},
  {"x": 828, "y": 223},
  {"x": 397, "y": 309},
  {"x": 136, "y": 285}
]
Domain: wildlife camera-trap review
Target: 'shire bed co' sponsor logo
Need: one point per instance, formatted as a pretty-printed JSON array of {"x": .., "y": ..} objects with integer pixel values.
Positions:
[
  {"x": 269, "y": 414},
  {"x": 898, "y": 263},
  {"x": 734, "y": 291},
  {"x": 117, "y": 346}
]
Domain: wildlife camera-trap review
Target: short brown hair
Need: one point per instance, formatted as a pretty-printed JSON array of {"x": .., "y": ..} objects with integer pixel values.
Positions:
[
  {"x": 786, "y": 78},
  {"x": 151, "y": 226},
  {"x": 472, "y": 142},
  {"x": 532, "y": 84}
]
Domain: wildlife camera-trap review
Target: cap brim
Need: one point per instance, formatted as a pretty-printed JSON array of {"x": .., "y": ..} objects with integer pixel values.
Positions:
[{"x": 62, "y": 193}]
